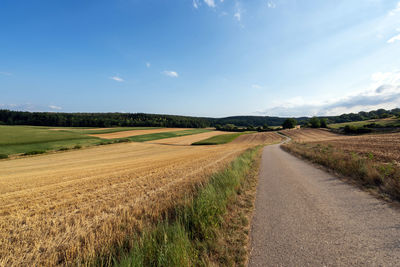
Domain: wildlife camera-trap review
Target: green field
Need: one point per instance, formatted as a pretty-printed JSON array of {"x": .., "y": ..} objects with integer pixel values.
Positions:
[
  {"x": 390, "y": 122},
  {"x": 156, "y": 136},
  {"x": 219, "y": 139},
  {"x": 36, "y": 139},
  {"x": 103, "y": 131}
]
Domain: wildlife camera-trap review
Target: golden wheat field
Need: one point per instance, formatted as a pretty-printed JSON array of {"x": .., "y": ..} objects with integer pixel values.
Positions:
[
  {"x": 66, "y": 207},
  {"x": 384, "y": 147},
  {"x": 124, "y": 134},
  {"x": 309, "y": 135}
]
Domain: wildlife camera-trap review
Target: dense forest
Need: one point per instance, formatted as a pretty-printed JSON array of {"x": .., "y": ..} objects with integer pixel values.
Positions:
[{"x": 140, "y": 119}]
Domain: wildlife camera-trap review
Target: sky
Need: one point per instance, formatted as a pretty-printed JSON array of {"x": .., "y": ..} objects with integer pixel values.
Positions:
[{"x": 211, "y": 58}]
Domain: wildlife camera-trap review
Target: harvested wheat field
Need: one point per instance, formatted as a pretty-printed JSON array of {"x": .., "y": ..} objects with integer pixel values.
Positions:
[
  {"x": 309, "y": 135},
  {"x": 383, "y": 147},
  {"x": 136, "y": 132},
  {"x": 259, "y": 138},
  {"x": 62, "y": 208},
  {"x": 91, "y": 129},
  {"x": 186, "y": 140}
]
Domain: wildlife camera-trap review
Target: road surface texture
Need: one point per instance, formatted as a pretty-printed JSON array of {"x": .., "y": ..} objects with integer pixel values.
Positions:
[{"x": 307, "y": 217}]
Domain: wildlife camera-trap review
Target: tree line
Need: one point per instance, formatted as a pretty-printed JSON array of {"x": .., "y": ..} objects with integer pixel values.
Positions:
[{"x": 260, "y": 123}]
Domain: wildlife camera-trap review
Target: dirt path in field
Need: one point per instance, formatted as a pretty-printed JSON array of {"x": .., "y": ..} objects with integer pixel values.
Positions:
[{"x": 307, "y": 217}]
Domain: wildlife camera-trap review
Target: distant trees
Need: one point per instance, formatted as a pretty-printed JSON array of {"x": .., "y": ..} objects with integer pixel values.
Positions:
[
  {"x": 316, "y": 122},
  {"x": 352, "y": 129},
  {"x": 324, "y": 123},
  {"x": 158, "y": 120},
  {"x": 233, "y": 128},
  {"x": 289, "y": 123}
]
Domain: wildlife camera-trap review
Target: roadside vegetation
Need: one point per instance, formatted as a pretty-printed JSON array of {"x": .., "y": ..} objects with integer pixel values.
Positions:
[
  {"x": 219, "y": 139},
  {"x": 372, "y": 161},
  {"x": 198, "y": 232}
]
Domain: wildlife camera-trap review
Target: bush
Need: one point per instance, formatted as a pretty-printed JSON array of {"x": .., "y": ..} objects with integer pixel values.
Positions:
[
  {"x": 63, "y": 149},
  {"x": 125, "y": 140},
  {"x": 351, "y": 129},
  {"x": 324, "y": 123},
  {"x": 77, "y": 147},
  {"x": 3, "y": 156},
  {"x": 34, "y": 152}
]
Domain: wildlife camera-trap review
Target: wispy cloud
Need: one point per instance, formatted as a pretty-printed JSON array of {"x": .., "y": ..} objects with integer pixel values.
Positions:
[
  {"x": 148, "y": 64},
  {"x": 30, "y": 107},
  {"x": 5, "y": 73},
  {"x": 383, "y": 92},
  {"x": 394, "y": 39},
  {"x": 196, "y": 3},
  {"x": 170, "y": 73},
  {"x": 55, "y": 107},
  {"x": 256, "y": 86},
  {"x": 271, "y": 4},
  {"x": 395, "y": 10},
  {"x": 117, "y": 79},
  {"x": 238, "y": 15},
  {"x": 210, "y": 3}
]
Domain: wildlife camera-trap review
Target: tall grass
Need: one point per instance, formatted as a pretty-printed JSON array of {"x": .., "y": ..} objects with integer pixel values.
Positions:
[
  {"x": 364, "y": 169},
  {"x": 187, "y": 234}
]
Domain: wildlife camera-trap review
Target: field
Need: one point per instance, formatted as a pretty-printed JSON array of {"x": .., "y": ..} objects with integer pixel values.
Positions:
[
  {"x": 218, "y": 139},
  {"x": 310, "y": 135},
  {"x": 124, "y": 134},
  {"x": 379, "y": 122},
  {"x": 64, "y": 208},
  {"x": 373, "y": 161},
  {"x": 187, "y": 140},
  {"x": 34, "y": 139}
]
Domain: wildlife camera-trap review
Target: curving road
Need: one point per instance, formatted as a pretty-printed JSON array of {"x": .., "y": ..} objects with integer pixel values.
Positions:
[{"x": 307, "y": 217}]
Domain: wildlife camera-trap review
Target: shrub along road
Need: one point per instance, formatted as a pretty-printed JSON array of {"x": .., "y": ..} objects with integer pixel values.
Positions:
[{"x": 307, "y": 217}]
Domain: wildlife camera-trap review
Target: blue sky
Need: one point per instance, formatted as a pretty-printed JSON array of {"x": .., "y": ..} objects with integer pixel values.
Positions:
[{"x": 200, "y": 57}]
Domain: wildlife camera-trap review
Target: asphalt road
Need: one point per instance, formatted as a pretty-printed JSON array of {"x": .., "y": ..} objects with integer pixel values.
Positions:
[{"x": 307, "y": 217}]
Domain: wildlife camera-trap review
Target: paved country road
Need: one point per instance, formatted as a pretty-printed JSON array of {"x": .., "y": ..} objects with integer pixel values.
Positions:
[{"x": 307, "y": 217}]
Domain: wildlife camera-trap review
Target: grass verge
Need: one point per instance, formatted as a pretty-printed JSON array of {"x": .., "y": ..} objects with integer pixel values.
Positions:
[
  {"x": 201, "y": 232},
  {"x": 382, "y": 177},
  {"x": 218, "y": 139}
]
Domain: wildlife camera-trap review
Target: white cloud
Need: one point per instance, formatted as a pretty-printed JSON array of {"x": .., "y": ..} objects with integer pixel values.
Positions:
[
  {"x": 395, "y": 10},
  {"x": 170, "y": 73},
  {"x": 5, "y": 73},
  {"x": 29, "y": 107},
  {"x": 271, "y": 4},
  {"x": 383, "y": 92},
  {"x": 148, "y": 64},
  {"x": 238, "y": 15},
  {"x": 210, "y": 3},
  {"x": 394, "y": 39},
  {"x": 117, "y": 79},
  {"x": 196, "y": 3},
  {"x": 256, "y": 86},
  {"x": 55, "y": 107}
]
